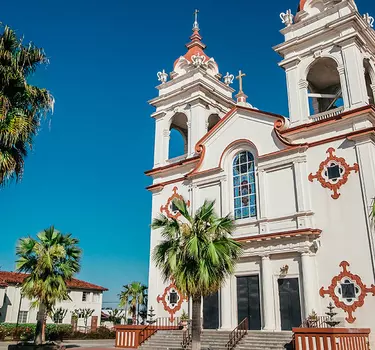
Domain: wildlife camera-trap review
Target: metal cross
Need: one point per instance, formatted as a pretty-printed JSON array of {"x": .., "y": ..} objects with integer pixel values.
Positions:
[
  {"x": 239, "y": 77},
  {"x": 196, "y": 25}
]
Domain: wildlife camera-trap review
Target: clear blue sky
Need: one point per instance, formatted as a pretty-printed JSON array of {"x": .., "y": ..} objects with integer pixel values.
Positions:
[{"x": 85, "y": 174}]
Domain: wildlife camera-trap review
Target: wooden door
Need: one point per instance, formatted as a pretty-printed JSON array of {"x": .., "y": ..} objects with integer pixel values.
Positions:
[{"x": 94, "y": 323}]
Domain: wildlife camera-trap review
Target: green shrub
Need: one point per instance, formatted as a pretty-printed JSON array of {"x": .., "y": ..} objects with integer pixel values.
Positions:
[{"x": 53, "y": 332}]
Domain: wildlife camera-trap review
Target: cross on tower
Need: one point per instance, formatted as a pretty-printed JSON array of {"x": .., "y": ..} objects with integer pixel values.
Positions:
[
  {"x": 196, "y": 25},
  {"x": 239, "y": 77}
]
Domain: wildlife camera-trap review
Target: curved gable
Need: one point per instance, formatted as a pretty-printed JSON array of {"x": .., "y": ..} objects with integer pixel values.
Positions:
[{"x": 242, "y": 127}]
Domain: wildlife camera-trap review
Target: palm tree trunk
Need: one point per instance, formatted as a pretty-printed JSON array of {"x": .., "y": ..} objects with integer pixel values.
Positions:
[
  {"x": 40, "y": 332},
  {"x": 137, "y": 311},
  {"x": 196, "y": 326}
]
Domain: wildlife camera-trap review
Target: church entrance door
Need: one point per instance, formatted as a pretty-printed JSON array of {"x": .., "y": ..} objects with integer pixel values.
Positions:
[
  {"x": 211, "y": 311},
  {"x": 290, "y": 303},
  {"x": 248, "y": 301}
]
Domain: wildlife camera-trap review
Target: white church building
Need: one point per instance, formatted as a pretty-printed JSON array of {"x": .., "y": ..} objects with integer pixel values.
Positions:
[{"x": 299, "y": 188}]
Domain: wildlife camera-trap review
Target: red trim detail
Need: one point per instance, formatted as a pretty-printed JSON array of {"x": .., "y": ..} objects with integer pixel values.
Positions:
[
  {"x": 347, "y": 114},
  {"x": 302, "y": 5},
  {"x": 167, "y": 208},
  {"x": 171, "y": 166},
  {"x": 18, "y": 278},
  {"x": 344, "y": 177},
  {"x": 350, "y": 309},
  {"x": 277, "y": 235},
  {"x": 164, "y": 300},
  {"x": 278, "y": 128}
]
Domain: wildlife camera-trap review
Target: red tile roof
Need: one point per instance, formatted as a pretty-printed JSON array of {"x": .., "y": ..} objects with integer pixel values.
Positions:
[{"x": 16, "y": 277}]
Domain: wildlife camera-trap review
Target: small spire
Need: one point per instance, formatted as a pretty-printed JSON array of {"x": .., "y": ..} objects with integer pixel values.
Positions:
[{"x": 196, "y": 24}]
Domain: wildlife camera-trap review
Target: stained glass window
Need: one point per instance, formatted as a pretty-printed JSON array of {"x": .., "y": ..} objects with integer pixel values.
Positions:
[{"x": 244, "y": 186}]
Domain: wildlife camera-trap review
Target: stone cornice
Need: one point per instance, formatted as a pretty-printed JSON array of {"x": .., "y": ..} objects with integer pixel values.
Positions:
[
  {"x": 197, "y": 85},
  {"x": 281, "y": 242}
]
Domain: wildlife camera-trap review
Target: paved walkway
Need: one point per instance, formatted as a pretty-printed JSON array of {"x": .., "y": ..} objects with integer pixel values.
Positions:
[{"x": 92, "y": 344}]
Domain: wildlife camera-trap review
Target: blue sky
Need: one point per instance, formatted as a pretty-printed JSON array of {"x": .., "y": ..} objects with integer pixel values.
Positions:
[{"x": 85, "y": 173}]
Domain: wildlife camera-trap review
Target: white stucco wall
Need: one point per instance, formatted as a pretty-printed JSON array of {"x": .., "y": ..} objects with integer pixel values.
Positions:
[{"x": 11, "y": 305}]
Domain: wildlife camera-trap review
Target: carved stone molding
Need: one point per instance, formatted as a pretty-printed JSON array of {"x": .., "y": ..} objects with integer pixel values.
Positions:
[
  {"x": 333, "y": 173},
  {"x": 347, "y": 291}
]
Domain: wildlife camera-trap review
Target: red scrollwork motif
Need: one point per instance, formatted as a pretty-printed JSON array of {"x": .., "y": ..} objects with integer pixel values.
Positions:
[
  {"x": 168, "y": 208},
  {"x": 360, "y": 291},
  {"x": 344, "y": 170},
  {"x": 171, "y": 306}
]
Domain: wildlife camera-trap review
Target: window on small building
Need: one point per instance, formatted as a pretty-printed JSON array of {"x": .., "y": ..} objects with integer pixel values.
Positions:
[
  {"x": 58, "y": 318},
  {"x": 22, "y": 317},
  {"x": 244, "y": 186},
  {"x": 96, "y": 297},
  {"x": 85, "y": 296}
]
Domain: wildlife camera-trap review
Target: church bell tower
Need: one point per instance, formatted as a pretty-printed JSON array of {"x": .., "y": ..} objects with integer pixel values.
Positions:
[
  {"x": 192, "y": 99},
  {"x": 329, "y": 59}
]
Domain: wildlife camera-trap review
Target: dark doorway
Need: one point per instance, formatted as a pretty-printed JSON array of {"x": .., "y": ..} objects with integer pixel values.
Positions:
[
  {"x": 248, "y": 301},
  {"x": 290, "y": 303},
  {"x": 211, "y": 311}
]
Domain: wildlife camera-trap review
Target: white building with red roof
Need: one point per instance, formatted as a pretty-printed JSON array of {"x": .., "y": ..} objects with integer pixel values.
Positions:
[
  {"x": 299, "y": 188},
  {"x": 83, "y": 295}
]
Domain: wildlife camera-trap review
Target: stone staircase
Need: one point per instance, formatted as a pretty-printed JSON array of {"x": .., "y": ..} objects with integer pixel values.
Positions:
[
  {"x": 216, "y": 340},
  {"x": 259, "y": 340}
]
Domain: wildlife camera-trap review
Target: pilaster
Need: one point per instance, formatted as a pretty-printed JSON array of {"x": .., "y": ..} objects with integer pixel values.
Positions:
[
  {"x": 356, "y": 83},
  {"x": 344, "y": 86},
  {"x": 373, "y": 90},
  {"x": 267, "y": 294},
  {"x": 225, "y": 305},
  {"x": 198, "y": 125},
  {"x": 298, "y": 102},
  {"x": 309, "y": 281}
]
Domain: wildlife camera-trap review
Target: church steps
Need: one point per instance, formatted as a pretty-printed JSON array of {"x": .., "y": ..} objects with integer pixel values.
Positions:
[{"x": 216, "y": 340}]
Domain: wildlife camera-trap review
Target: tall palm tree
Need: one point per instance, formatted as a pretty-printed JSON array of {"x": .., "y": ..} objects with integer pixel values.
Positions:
[
  {"x": 51, "y": 260},
  {"x": 124, "y": 300},
  {"x": 198, "y": 253},
  {"x": 22, "y": 105},
  {"x": 135, "y": 295}
]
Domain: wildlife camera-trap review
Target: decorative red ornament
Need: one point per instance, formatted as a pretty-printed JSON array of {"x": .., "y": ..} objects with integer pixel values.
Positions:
[
  {"x": 343, "y": 169},
  {"x": 171, "y": 306},
  {"x": 168, "y": 208},
  {"x": 359, "y": 290}
]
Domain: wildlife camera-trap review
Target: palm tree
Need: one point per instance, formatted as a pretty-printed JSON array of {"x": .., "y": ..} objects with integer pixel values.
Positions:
[
  {"x": 22, "y": 105},
  {"x": 51, "y": 260},
  {"x": 134, "y": 295},
  {"x": 198, "y": 253}
]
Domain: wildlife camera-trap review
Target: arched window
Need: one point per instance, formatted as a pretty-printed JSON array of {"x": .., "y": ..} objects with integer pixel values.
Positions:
[
  {"x": 369, "y": 81},
  {"x": 212, "y": 121},
  {"x": 178, "y": 143},
  {"x": 244, "y": 186}
]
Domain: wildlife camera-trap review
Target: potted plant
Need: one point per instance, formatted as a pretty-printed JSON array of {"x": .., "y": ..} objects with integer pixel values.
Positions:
[
  {"x": 312, "y": 320},
  {"x": 184, "y": 320}
]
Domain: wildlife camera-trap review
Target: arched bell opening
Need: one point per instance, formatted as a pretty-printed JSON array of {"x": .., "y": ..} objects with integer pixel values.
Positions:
[
  {"x": 213, "y": 119},
  {"x": 370, "y": 81},
  {"x": 324, "y": 86},
  {"x": 178, "y": 142}
]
